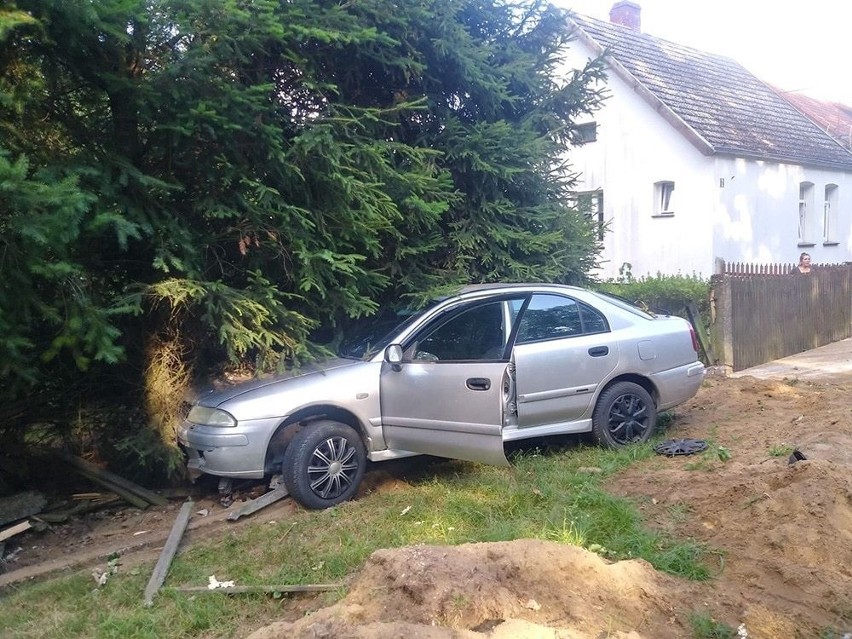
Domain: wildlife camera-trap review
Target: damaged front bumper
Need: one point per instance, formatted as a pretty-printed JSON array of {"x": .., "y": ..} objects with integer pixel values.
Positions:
[{"x": 225, "y": 452}]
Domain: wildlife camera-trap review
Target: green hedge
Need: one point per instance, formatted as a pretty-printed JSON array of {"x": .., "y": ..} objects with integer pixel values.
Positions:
[
  {"x": 669, "y": 294},
  {"x": 663, "y": 293}
]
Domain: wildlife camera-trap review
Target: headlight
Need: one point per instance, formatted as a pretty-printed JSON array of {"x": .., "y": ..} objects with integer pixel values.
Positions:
[{"x": 206, "y": 416}]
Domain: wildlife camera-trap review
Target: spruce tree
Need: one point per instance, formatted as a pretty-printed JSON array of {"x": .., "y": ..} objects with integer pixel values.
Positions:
[{"x": 228, "y": 175}]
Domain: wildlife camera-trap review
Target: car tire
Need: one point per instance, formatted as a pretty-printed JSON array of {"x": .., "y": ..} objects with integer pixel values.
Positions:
[
  {"x": 625, "y": 414},
  {"x": 324, "y": 464}
]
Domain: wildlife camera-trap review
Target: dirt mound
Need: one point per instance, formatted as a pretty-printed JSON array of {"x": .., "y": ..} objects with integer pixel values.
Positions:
[
  {"x": 783, "y": 530},
  {"x": 525, "y": 588}
]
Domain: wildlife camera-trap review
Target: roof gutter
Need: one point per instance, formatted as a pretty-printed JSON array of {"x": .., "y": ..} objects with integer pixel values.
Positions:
[
  {"x": 778, "y": 159},
  {"x": 655, "y": 103}
]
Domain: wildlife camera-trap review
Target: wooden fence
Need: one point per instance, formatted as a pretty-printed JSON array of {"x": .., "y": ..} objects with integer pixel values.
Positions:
[
  {"x": 760, "y": 316},
  {"x": 748, "y": 268}
]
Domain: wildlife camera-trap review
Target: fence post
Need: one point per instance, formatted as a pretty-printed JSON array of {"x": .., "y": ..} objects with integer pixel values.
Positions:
[{"x": 721, "y": 322}]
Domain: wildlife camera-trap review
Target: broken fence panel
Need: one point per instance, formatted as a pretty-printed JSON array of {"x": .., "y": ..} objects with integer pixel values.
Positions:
[{"x": 168, "y": 553}]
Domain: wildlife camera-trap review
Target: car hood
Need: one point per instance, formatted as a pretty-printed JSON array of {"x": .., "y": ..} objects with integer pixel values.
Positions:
[{"x": 216, "y": 396}]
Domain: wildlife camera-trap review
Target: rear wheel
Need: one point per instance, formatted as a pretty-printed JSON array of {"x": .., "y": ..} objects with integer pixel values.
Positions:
[
  {"x": 324, "y": 464},
  {"x": 625, "y": 414}
]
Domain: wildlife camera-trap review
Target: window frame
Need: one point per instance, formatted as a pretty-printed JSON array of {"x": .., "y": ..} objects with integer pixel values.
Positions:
[
  {"x": 587, "y": 132},
  {"x": 581, "y": 306},
  {"x": 663, "y": 196},
  {"x": 591, "y": 204},
  {"x": 806, "y": 205},
  {"x": 830, "y": 214},
  {"x": 413, "y": 343}
]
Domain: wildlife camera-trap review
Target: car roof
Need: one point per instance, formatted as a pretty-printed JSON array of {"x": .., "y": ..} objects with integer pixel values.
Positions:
[{"x": 476, "y": 288}]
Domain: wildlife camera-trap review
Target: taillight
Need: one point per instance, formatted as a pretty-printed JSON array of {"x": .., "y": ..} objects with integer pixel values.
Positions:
[{"x": 694, "y": 337}]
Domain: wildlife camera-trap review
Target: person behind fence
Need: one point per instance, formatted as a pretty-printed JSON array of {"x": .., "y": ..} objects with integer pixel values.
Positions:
[{"x": 804, "y": 265}]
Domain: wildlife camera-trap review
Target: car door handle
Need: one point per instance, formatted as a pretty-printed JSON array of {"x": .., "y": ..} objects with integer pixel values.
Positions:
[
  {"x": 599, "y": 351},
  {"x": 478, "y": 383}
]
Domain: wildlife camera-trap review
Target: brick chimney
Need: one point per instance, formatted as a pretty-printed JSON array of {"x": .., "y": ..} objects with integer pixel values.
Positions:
[{"x": 627, "y": 14}]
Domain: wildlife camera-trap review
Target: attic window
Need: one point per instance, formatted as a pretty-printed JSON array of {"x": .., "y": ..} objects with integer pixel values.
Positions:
[
  {"x": 663, "y": 198},
  {"x": 587, "y": 132}
]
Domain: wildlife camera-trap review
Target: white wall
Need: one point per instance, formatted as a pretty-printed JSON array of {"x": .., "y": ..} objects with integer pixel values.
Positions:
[
  {"x": 735, "y": 209},
  {"x": 636, "y": 148},
  {"x": 758, "y": 215}
]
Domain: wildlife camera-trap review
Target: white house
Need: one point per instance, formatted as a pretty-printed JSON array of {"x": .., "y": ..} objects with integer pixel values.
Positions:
[{"x": 692, "y": 159}]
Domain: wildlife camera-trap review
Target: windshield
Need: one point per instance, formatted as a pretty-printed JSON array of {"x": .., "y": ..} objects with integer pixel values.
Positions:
[{"x": 369, "y": 335}]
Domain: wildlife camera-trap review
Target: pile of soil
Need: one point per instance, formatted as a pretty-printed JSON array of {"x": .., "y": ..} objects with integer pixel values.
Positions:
[
  {"x": 518, "y": 589},
  {"x": 781, "y": 533}
]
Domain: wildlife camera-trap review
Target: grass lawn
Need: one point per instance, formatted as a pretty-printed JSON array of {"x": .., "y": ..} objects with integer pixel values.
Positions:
[{"x": 550, "y": 495}]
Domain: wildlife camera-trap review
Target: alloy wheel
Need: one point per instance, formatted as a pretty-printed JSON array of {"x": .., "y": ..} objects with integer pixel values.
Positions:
[{"x": 333, "y": 467}]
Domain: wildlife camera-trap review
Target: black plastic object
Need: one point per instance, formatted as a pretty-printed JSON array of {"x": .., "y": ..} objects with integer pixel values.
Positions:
[
  {"x": 796, "y": 456},
  {"x": 672, "y": 447}
]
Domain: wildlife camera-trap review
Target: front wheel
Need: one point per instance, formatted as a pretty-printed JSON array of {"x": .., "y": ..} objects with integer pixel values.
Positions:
[
  {"x": 625, "y": 414},
  {"x": 323, "y": 464}
]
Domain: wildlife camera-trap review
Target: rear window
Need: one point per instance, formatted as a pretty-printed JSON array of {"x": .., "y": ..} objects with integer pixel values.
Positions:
[{"x": 624, "y": 305}]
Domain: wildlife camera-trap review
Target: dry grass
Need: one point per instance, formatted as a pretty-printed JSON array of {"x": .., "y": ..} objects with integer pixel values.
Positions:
[{"x": 167, "y": 380}]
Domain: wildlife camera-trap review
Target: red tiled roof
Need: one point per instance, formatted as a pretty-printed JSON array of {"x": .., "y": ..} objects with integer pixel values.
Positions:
[{"x": 832, "y": 117}]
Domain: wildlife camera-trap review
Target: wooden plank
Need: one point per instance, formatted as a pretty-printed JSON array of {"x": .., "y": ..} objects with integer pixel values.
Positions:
[
  {"x": 11, "y": 531},
  {"x": 126, "y": 495},
  {"x": 168, "y": 553},
  {"x": 80, "y": 508},
  {"x": 128, "y": 486},
  {"x": 256, "y": 504},
  {"x": 86, "y": 496},
  {"x": 253, "y": 589}
]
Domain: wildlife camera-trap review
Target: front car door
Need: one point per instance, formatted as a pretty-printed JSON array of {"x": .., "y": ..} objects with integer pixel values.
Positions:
[
  {"x": 448, "y": 396},
  {"x": 563, "y": 351}
]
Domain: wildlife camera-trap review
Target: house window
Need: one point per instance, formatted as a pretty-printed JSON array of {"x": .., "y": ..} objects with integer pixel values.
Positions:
[
  {"x": 587, "y": 132},
  {"x": 829, "y": 215},
  {"x": 590, "y": 203},
  {"x": 664, "y": 197},
  {"x": 806, "y": 204}
]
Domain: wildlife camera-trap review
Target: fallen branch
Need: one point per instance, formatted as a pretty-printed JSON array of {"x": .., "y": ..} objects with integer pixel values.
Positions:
[
  {"x": 236, "y": 590},
  {"x": 168, "y": 553}
]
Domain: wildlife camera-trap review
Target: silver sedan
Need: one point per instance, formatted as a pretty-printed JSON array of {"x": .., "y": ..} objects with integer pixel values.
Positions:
[{"x": 458, "y": 379}]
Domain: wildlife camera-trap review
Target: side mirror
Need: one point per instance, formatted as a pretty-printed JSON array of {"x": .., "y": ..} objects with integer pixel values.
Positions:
[{"x": 393, "y": 355}]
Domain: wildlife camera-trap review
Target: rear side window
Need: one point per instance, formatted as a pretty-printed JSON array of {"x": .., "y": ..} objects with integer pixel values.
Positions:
[
  {"x": 593, "y": 322},
  {"x": 624, "y": 305},
  {"x": 555, "y": 317}
]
